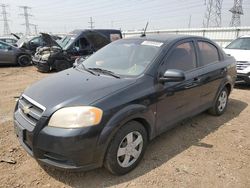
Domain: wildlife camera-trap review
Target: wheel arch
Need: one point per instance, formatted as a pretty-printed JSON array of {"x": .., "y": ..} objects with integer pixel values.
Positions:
[
  {"x": 139, "y": 113},
  {"x": 229, "y": 87}
]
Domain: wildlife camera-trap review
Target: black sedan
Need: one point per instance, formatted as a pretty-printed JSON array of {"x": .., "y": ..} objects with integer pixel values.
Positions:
[
  {"x": 106, "y": 109},
  {"x": 13, "y": 55}
]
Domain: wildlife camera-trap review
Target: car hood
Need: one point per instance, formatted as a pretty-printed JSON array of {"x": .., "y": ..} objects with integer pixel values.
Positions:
[
  {"x": 49, "y": 40},
  {"x": 73, "y": 87},
  {"x": 239, "y": 55},
  {"x": 16, "y": 36}
]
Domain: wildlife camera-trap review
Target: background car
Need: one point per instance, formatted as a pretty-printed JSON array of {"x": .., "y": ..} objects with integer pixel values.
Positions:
[
  {"x": 60, "y": 55},
  {"x": 240, "y": 49},
  {"x": 13, "y": 55},
  {"x": 9, "y": 40},
  {"x": 106, "y": 109}
]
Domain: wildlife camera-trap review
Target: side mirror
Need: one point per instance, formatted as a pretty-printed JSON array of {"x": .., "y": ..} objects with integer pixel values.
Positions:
[
  {"x": 173, "y": 75},
  {"x": 9, "y": 48}
]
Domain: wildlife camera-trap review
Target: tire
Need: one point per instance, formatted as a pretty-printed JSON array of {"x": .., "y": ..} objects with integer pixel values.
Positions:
[
  {"x": 62, "y": 65},
  {"x": 121, "y": 158},
  {"x": 220, "y": 104},
  {"x": 24, "y": 60}
]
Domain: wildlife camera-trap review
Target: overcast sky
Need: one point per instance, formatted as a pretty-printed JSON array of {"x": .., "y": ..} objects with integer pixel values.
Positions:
[{"x": 66, "y": 15}]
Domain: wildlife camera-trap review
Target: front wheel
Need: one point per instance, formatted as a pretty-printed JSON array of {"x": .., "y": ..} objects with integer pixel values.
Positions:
[
  {"x": 220, "y": 104},
  {"x": 126, "y": 149}
]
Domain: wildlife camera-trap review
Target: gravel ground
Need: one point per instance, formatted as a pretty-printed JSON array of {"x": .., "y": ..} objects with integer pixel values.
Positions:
[{"x": 203, "y": 151}]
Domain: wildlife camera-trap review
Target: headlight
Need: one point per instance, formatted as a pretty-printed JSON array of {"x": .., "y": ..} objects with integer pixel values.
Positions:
[{"x": 76, "y": 117}]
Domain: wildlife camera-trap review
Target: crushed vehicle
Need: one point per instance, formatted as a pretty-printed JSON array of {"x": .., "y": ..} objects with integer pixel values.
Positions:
[
  {"x": 79, "y": 43},
  {"x": 10, "y": 54},
  {"x": 105, "y": 110},
  {"x": 240, "y": 49},
  {"x": 31, "y": 43}
]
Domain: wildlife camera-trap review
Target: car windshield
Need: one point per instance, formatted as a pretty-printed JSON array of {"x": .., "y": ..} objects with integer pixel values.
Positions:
[
  {"x": 240, "y": 43},
  {"x": 66, "y": 41},
  {"x": 124, "y": 57}
]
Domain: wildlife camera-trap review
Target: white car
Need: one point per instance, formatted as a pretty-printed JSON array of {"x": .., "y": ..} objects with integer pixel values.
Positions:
[{"x": 240, "y": 49}]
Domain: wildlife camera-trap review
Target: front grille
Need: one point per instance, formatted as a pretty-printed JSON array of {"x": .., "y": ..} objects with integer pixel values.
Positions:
[
  {"x": 241, "y": 65},
  {"x": 30, "y": 110}
]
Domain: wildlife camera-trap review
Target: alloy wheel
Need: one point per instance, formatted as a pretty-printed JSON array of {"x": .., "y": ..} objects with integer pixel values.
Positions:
[
  {"x": 129, "y": 149},
  {"x": 222, "y": 101}
]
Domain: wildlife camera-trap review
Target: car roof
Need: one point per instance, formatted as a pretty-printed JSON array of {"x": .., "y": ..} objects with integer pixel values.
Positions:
[
  {"x": 165, "y": 38},
  {"x": 7, "y": 37},
  {"x": 80, "y": 31},
  {"x": 245, "y": 36}
]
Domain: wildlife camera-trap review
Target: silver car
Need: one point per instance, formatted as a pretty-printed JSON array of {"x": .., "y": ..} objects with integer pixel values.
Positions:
[{"x": 13, "y": 55}]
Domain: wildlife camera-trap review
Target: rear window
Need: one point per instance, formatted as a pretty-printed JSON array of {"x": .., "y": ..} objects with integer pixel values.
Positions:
[{"x": 208, "y": 53}]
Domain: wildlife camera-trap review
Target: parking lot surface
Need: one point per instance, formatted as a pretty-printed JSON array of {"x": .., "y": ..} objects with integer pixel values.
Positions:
[{"x": 203, "y": 151}]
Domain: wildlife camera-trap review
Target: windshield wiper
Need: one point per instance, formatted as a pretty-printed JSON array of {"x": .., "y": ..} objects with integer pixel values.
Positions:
[
  {"x": 84, "y": 68},
  {"x": 105, "y": 72}
]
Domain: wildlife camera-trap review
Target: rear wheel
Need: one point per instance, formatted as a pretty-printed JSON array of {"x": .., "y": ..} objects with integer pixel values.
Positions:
[
  {"x": 220, "y": 103},
  {"x": 126, "y": 149},
  {"x": 24, "y": 60}
]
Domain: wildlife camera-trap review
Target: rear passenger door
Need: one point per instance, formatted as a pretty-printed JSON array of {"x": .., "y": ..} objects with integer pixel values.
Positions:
[{"x": 212, "y": 69}]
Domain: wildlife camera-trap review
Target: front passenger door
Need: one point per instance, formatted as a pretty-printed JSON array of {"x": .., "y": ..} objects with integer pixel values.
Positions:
[{"x": 177, "y": 100}]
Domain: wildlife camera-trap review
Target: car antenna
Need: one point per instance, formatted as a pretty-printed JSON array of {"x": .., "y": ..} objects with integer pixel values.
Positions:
[{"x": 144, "y": 32}]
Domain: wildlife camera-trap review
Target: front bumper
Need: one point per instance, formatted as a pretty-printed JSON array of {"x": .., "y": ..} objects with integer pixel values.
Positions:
[
  {"x": 41, "y": 65},
  {"x": 71, "y": 149},
  {"x": 244, "y": 77}
]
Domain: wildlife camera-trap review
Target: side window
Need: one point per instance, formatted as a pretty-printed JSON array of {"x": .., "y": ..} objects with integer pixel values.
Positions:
[
  {"x": 8, "y": 41},
  {"x": 98, "y": 41},
  {"x": 81, "y": 44},
  {"x": 208, "y": 53},
  {"x": 36, "y": 41},
  {"x": 114, "y": 37},
  {"x": 3, "y": 46},
  {"x": 182, "y": 57}
]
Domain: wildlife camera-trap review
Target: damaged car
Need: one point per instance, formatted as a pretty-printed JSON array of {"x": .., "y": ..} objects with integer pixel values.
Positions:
[
  {"x": 79, "y": 43},
  {"x": 31, "y": 43},
  {"x": 13, "y": 55}
]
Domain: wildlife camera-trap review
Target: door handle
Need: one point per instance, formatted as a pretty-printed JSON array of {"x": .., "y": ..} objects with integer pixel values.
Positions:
[{"x": 197, "y": 79}]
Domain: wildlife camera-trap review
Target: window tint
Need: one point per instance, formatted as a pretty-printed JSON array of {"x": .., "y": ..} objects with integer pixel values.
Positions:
[
  {"x": 114, "y": 36},
  {"x": 36, "y": 41},
  {"x": 208, "y": 53},
  {"x": 182, "y": 57},
  {"x": 81, "y": 44},
  {"x": 3, "y": 46},
  {"x": 10, "y": 41},
  {"x": 98, "y": 41}
]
